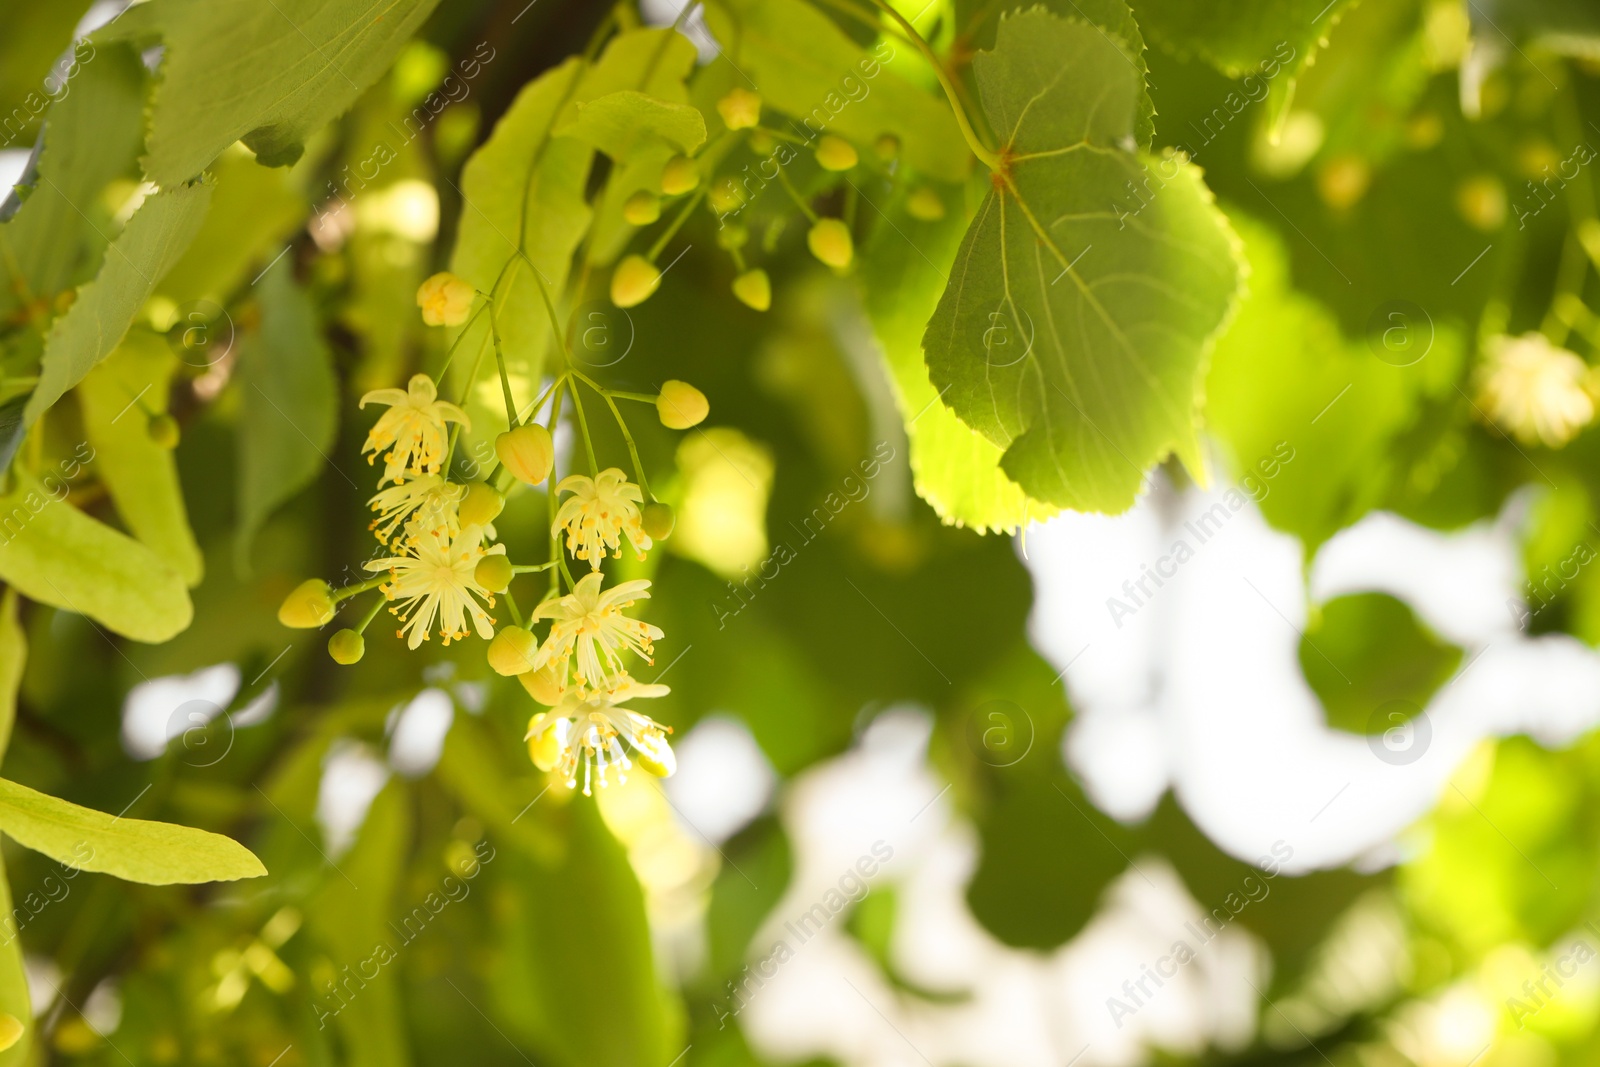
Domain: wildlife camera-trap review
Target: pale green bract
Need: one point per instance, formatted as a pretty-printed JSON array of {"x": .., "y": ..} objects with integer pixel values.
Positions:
[
  {"x": 155, "y": 853},
  {"x": 1079, "y": 313},
  {"x": 268, "y": 74}
]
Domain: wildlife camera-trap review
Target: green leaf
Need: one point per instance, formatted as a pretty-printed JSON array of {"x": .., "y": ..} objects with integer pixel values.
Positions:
[
  {"x": 155, "y": 853},
  {"x": 92, "y": 137},
  {"x": 621, "y": 123},
  {"x": 268, "y": 75},
  {"x": 289, "y": 415},
  {"x": 1360, "y": 653},
  {"x": 53, "y": 553},
  {"x": 141, "y": 476},
  {"x": 1112, "y": 16},
  {"x": 803, "y": 64},
  {"x": 155, "y": 237},
  {"x": 1074, "y": 329},
  {"x": 904, "y": 267}
]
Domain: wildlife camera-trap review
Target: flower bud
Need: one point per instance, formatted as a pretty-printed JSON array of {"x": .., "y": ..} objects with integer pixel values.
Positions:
[
  {"x": 481, "y": 505},
  {"x": 642, "y": 208},
  {"x": 11, "y": 1030},
  {"x": 681, "y": 405},
  {"x": 732, "y": 236},
  {"x": 494, "y": 573},
  {"x": 754, "y": 289},
  {"x": 679, "y": 176},
  {"x": 511, "y": 651},
  {"x": 887, "y": 147},
  {"x": 658, "y": 520},
  {"x": 346, "y": 647},
  {"x": 544, "y": 685},
  {"x": 762, "y": 143},
  {"x": 633, "y": 281},
  {"x": 163, "y": 430},
  {"x": 830, "y": 242},
  {"x": 925, "y": 204},
  {"x": 740, "y": 109},
  {"x": 544, "y": 747},
  {"x": 527, "y": 452},
  {"x": 445, "y": 300},
  {"x": 309, "y": 606},
  {"x": 835, "y": 153}
]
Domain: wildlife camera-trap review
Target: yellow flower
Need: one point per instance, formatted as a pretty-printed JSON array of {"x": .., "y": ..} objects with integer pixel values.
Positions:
[
  {"x": 1534, "y": 390},
  {"x": 413, "y": 429},
  {"x": 445, "y": 300},
  {"x": 429, "y": 502},
  {"x": 591, "y": 728},
  {"x": 598, "y": 513},
  {"x": 435, "y": 578},
  {"x": 591, "y": 625}
]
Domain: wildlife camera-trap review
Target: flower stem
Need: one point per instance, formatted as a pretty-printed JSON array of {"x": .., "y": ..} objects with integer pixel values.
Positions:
[
  {"x": 979, "y": 149},
  {"x": 511, "y": 605},
  {"x": 377, "y": 606},
  {"x": 360, "y": 587},
  {"x": 672, "y": 228},
  {"x": 505, "y": 380},
  {"x": 627, "y": 436},
  {"x": 583, "y": 428},
  {"x": 550, "y": 493}
]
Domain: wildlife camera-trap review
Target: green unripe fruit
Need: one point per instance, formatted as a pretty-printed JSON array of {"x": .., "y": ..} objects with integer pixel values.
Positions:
[
  {"x": 754, "y": 289},
  {"x": 494, "y": 573},
  {"x": 658, "y": 519},
  {"x": 642, "y": 208},
  {"x": 835, "y": 153},
  {"x": 679, "y": 176},
  {"x": 346, "y": 647},
  {"x": 633, "y": 282},
  {"x": 830, "y": 242}
]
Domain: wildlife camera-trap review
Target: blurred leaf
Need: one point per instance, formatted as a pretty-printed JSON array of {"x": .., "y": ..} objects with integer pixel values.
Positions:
[
  {"x": 956, "y": 469},
  {"x": 269, "y": 76},
  {"x": 1085, "y": 384},
  {"x": 154, "y": 239},
  {"x": 584, "y": 945},
  {"x": 253, "y": 210},
  {"x": 1239, "y": 36},
  {"x": 14, "y": 997},
  {"x": 1360, "y": 653},
  {"x": 1315, "y": 416},
  {"x": 1570, "y": 27},
  {"x": 31, "y": 53},
  {"x": 803, "y": 64},
  {"x": 13, "y": 660},
  {"x": 137, "y": 850},
  {"x": 140, "y": 475},
  {"x": 353, "y": 918},
  {"x": 57, "y": 555},
  {"x": 746, "y": 890},
  {"x": 289, "y": 415}
]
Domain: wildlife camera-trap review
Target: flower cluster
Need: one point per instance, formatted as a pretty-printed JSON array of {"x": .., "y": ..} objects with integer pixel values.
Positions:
[
  {"x": 1541, "y": 394},
  {"x": 445, "y": 569}
]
